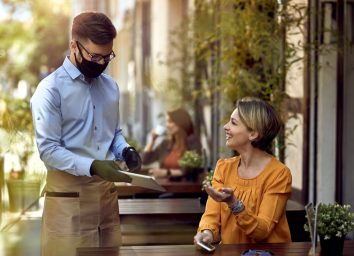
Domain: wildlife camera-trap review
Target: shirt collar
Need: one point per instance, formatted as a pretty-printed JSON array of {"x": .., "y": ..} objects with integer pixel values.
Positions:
[{"x": 71, "y": 68}]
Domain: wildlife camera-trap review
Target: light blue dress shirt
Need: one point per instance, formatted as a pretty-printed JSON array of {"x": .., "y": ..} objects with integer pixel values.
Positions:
[{"x": 75, "y": 121}]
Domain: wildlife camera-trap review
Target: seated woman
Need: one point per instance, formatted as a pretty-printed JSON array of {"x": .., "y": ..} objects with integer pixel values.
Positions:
[
  {"x": 249, "y": 192},
  {"x": 180, "y": 138}
]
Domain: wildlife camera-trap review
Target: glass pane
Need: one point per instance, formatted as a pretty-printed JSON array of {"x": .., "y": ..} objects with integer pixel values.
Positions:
[
  {"x": 329, "y": 23},
  {"x": 349, "y": 22}
]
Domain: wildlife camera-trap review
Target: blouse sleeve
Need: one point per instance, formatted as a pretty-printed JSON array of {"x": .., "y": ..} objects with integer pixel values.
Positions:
[
  {"x": 211, "y": 218},
  {"x": 271, "y": 208}
]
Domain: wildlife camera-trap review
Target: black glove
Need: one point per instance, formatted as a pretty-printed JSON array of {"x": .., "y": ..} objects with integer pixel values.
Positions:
[
  {"x": 108, "y": 170},
  {"x": 132, "y": 158}
]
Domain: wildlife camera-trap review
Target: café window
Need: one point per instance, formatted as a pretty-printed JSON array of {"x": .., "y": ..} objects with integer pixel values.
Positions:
[
  {"x": 350, "y": 22},
  {"x": 329, "y": 24}
]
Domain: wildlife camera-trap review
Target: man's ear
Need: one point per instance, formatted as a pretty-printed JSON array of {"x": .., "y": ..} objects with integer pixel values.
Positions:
[{"x": 72, "y": 45}]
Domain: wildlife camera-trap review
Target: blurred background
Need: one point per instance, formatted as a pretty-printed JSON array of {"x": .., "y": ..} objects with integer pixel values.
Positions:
[{"x": 202, "y": 55}]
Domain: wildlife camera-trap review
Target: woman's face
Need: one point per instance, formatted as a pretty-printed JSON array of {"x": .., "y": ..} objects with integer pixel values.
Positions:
[
  {"x": 237, "y": 134},
  {"x": 171, "y": 126}
]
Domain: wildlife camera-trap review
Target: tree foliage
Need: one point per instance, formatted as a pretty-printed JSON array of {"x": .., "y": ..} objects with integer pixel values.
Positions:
[
  {"x": 17, "y": 122},
  {"x": 240, "y": 44},
  {"x": 235, "y": 48},
  {"x": 15, "y": 45},
  {"x": 27, "y": 46},
  {"x": 51, "y": 31}
]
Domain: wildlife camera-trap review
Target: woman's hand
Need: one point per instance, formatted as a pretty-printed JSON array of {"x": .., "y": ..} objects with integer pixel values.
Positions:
[
  {"x": 154, "y": 135},
  {"x": 223, "y": 195},
  {"x": 149, "y": 146},
  {"x": 205, "y": 236}
]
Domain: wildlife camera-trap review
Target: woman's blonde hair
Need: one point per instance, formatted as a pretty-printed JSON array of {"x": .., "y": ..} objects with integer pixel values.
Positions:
[{"x": 259, "y": 116}]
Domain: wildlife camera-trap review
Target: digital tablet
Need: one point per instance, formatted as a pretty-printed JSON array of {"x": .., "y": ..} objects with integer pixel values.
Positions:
[{"x": 144, "y": 181}]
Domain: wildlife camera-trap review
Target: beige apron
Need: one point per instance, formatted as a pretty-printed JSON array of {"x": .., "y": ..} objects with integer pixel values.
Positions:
[{"x": 79, "y": 211}]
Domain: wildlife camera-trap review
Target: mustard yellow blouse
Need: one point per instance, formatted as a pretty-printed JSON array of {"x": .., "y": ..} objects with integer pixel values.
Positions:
[{"x": 264, "y": 197}]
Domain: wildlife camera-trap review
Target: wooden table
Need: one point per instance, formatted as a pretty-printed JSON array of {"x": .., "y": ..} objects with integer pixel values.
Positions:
[
  {"x": 175, "y": 220},
  {"x": 160, "y": 207},
  {"x": 159, "y": 221},
  {"x": 290, "y": 249}
]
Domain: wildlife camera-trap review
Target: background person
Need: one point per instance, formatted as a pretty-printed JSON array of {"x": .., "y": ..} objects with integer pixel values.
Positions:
[
  {"x": 249, "y": 192},
  {"x": 76, "y": 117},
  {"x": 180, "y": 137}
]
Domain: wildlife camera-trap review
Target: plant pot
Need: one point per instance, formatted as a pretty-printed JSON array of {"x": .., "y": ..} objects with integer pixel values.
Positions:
[
  {"x": 333, "y": 246},
  {"x": 192, "y": 174},
  {"x": 23, "y": 194}
]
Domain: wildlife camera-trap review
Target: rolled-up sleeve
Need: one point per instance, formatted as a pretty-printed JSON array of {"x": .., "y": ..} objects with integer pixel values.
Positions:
[{"x": 119, "y": 143}]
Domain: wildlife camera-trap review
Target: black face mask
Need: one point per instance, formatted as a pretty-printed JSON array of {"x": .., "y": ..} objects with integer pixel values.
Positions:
[{"x": 89, "y": 69}]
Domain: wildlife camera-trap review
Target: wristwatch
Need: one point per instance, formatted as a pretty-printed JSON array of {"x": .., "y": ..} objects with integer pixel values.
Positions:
[{"x": 237, "y": 207}]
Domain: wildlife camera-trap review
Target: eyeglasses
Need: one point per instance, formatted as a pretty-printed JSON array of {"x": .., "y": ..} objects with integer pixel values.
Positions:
[
  {"x": 97, "y": 57},
  {"x": 256, "y": 253}
]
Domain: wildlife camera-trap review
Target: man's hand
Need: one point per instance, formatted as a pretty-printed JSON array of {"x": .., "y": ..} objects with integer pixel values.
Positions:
[
  {"x": 108, "y": 170},
  {"x": 132, "y": 158}
]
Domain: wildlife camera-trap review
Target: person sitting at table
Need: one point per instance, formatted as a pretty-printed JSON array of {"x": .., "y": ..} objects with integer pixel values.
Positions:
[
  {"x": 248, "y": 193},
  {"x": 181, "y": 137}
]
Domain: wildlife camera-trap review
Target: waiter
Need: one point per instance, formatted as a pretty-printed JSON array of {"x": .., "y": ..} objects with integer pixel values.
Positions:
[{"x": 76, "y": 116}]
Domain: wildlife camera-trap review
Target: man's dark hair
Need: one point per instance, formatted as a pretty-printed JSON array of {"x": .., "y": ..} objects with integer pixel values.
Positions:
[{"x": 95, "y": 26}]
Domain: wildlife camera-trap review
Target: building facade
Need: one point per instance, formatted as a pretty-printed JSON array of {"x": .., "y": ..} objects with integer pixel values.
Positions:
[{"x": 319, "y": 152}]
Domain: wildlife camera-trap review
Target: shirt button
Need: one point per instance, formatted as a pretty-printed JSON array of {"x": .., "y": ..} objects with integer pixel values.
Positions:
[
  {"x": 98, "y": 147},
  {"x": 95, "y": 128},
  {"x": 94, "y": 107}
]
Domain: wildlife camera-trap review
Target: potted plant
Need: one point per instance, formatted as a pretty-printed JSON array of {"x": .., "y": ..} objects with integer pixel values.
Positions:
[
  {"x": 334, "y": 221},
  {"x": 23, "y": 186},
  {"x": 206, "y": 180},
  {"x": 191, "y": 164}
]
